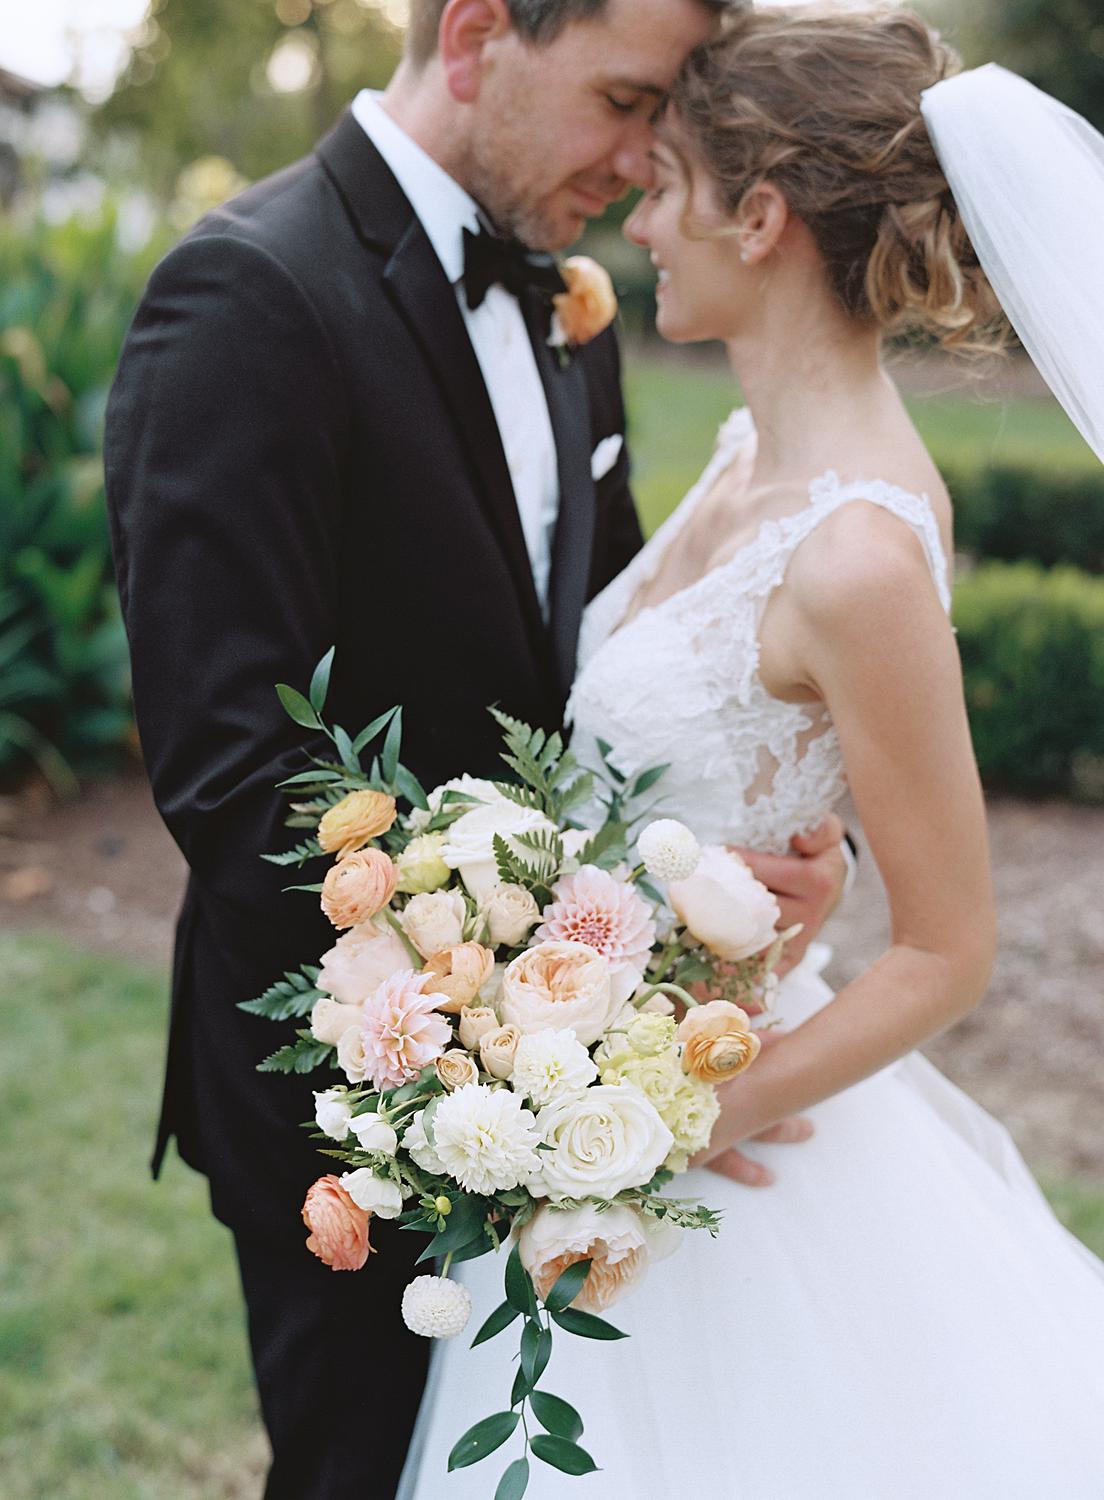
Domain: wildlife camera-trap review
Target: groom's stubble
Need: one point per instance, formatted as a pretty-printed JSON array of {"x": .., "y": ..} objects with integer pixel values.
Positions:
[{"x": 561, "y": 128}]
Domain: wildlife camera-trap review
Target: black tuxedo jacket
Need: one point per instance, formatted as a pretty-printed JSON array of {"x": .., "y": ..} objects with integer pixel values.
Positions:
[{"x": 301, "y": 452}]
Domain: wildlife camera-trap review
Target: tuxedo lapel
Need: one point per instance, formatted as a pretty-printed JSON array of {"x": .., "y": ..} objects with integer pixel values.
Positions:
[
  {"x": 568, "y": 407},
  {"x": 422, "y": 294}
]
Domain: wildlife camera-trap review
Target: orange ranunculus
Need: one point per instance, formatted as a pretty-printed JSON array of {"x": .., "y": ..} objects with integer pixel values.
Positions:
[
  {"x": 355, "y": 821},
  {"x": 338, "y": 1228},
  {"x": 358, "y": 887},
  {"x": 717, "y": 1042}
]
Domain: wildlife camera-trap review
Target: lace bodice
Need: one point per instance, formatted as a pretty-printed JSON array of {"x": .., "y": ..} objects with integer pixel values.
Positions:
[{"x": 679, "y": 682}]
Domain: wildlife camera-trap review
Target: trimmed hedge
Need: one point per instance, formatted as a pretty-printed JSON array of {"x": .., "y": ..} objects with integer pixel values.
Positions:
[
  {"x": 1031, "y": 515},
  {"x": 1032, "y": 646}
]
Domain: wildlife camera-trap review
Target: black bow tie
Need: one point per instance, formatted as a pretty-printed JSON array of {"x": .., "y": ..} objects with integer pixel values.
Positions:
[{"x": 492, "y": 261}]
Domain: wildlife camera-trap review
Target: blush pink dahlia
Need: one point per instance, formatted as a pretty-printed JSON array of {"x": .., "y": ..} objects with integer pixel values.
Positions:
[
  {"x": 403, "y": 1031},
  {"x": 607, "y": 915}
]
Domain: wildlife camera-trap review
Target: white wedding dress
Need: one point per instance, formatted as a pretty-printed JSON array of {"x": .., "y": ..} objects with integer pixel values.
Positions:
[{"x": 900, "y": 1317}]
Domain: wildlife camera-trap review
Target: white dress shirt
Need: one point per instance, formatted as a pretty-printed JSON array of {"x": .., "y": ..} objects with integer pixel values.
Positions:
[{"x": 496, "y": 329}]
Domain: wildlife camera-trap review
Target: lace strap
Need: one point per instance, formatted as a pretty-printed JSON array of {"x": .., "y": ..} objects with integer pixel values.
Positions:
[{"x": 827, "y": 495}]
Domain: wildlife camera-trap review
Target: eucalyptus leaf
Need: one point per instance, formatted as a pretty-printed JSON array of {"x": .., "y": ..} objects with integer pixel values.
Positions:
[
  {"x": 514, "y": 1482},
  {"x": 648, "y": 779},
  {"x": 586, "y": 1325},
  {"x": 500, "y": 1319},
  {"x": 567, "y": 1287},
  {"x": 566, "y": 1456},
  {"x": 519, "y": 1288},
  {"x": 369, "y": 732},
  {"x": 536, "y": 1351},
  {"x": 349, "y": 758},
  {"x": 482, "y": 1439},
  {"x": 297, "y": 707},
  {"x": 391, "y": 748},
  {"x": 558, "y": 1416},
  {"x": 320, "y": 682}
]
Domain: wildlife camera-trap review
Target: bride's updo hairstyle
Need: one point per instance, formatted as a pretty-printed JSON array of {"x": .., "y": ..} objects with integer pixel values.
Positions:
[{"x": 825, "y": 103}]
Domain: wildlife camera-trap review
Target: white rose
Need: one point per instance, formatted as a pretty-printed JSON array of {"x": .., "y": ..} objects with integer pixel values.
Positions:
[
  {"x": 470, "y": 846},
  {"x": 559, "y": 984},
  {"x": 614, "y": 1240},
  {"x": 422, "y": 1153},
  {"x": 374, "y": 1134},
  {"x": 434, "y": 921},
  {"x": 551, "y": 1065},
  {"x": 351, "y": 1058},
  {"x": 471, "y": 787},
  {"x": 330, "y": 1020},
  {"x": 497, "y": 1048},
  {"x": 723, "y": 905},
  {"x": 332, "y": 1113},
  {"x": 511, "y": 914},
  {"x": 603, "y": 1141},
  {"x": 376, "y": 1195},
  {"x": 475, "y": 1022}
]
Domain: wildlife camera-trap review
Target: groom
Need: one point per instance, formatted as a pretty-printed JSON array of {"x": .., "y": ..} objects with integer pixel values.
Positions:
[{"x": 337, "y": 420}]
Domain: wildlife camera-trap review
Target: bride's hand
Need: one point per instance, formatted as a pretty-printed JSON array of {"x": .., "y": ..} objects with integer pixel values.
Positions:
[
  {"x": 731, "y": 1162},
  {"x": 807, "y": 884}
]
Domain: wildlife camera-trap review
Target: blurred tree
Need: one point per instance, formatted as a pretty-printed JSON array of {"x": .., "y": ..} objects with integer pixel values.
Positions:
[
  {"x": 254, "y": 81},
  {"x": 1057, "y": 44}
]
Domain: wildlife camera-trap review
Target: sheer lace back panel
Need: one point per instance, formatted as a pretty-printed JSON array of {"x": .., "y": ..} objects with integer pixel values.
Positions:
[{"x": 679, "y": 682}]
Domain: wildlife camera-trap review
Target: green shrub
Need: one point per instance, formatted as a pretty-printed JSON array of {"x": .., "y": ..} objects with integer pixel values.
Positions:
[
  {"x": 1032, "y": 645},
  {"x": 1014, "y": 514},
  {"x": 66, "y": 296}
]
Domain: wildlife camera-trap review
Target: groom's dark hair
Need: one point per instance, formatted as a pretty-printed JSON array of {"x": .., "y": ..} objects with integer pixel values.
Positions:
[{"x": 536, "y": 20}]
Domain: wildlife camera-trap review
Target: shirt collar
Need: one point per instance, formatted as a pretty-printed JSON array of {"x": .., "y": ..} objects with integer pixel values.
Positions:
[{"x": 443, "y": 206}]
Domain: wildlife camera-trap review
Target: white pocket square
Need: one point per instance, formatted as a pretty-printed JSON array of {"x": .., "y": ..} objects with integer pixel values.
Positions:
[{"x": 605, "y": 456}]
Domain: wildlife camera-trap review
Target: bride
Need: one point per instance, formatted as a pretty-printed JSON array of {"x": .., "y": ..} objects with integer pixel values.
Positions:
[{"x": 900, "y": 1317}]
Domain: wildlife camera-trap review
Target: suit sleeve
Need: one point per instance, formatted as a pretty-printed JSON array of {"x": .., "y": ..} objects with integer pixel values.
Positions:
[
  {"x": 224, "y": 443},
  {"x": 617, "y": 536}
]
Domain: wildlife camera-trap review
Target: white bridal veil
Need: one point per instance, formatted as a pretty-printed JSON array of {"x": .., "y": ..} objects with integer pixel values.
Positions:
[{"x": 1027, "y": 174}]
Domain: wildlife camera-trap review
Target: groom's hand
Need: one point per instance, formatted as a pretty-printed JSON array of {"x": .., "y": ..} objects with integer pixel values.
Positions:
[{"x": 807, "y": 883}]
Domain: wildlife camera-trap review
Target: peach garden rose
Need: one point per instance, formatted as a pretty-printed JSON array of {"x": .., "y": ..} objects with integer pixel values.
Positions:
[{"x": 559, "y": 984}]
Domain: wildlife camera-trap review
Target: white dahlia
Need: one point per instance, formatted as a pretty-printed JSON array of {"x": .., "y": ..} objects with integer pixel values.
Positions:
[
  {"x": 436, "y": 1307},
  {"x": 551, "y": 1065},
  {"x": 416, "y": 1142},
  {"x": 668, "y": 850},
  {"x": 485, "y": 1139}
]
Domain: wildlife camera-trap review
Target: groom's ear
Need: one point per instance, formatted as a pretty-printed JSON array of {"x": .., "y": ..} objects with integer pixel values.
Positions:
[
  {"x": 761, "y": 219},
  {"x": 467, "y": 28}
]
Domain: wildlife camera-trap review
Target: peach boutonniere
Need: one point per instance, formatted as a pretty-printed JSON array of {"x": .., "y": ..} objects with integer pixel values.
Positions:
[{"x": 586, "y": 308}]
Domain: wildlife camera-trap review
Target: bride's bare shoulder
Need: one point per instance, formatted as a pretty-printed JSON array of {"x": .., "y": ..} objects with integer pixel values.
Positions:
[{"x": 870, "y": 556}]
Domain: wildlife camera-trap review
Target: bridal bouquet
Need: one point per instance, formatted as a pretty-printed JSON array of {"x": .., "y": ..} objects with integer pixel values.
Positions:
[{"x": 500, "y": 1003}]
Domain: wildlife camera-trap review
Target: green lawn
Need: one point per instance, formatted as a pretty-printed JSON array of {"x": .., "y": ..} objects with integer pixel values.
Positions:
[
  {"x": 674, "y": 412},
  {"x": 123, "y": 1368}
]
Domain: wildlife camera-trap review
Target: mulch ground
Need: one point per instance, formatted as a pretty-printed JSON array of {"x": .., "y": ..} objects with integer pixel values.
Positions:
[{"x": 102, "y": 872}]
